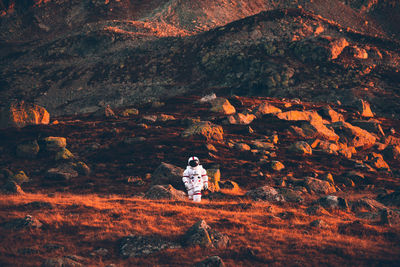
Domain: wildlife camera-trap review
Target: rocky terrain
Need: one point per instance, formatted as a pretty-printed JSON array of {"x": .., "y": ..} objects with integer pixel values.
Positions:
[{"x": 291, "y": 106}]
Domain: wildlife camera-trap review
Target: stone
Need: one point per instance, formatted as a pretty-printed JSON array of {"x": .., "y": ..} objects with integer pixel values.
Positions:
[
  {"x": 242, "y": 119},
  {"x": 358, "y": 52},
  {"x": 222, "y": 105},
  {"x": 320, "y": 48},
  {"x": 130, "y": 112},
  {"x": 327, "y": 177},
  {"x": 164, "y": 192},
  {"x": 211, "y": 147},
  {"x": 333, "y": 202},
  {"x": 82, "y": 168},
  {"x": 28, "y": 149},
  {"x": 21, "y": 114},
  {"x": 12, "y": 188},
  {"x": 167, "y": 173},
  {"x": 61, "y": 262},
  {"x": 20, "y": 177},
  {"x": 201, "y": 234},
  {"x": 165, "y": 117},
  {"x": 205, "y": 130},
  {"x": 213, "y": 261},
  {"x": 108, "y": 112},
  {"x": 366, "y": 204},
  {"x": 377, "y": 161},
  {"x": 266, "y": 108},
  {"x": 214, "y": 177},
  {"x": 242, "y": 147},
  {"x": 63, "y": 172},
  {"x": 371, "y": 125},
  {"x": 353, "y": 136},
  {"x": 20, "y": 223},
  {"x": 301, "y": 147},
  {"x": 229, "y": 185},
  {"x": 150, "y": 118},
  {"x": 55, "y": 144},
  {"x": 262, "y": 144},
  {"x": 277, "y": 165},
  {"x": 64, "y": 154},
  {"x": 138, "y": 246},
  {"x": 319, "y": 186},
  {"x": 319, "y": 224},
  {"x": 292, "y": 196},
  {"x": 332, "y": 115},
  {"x": 296, "y": 115},
  {"x": 265, "y": 193},
  {"x": 316, "y": 210},
  {"x": 364, "y": 108}
]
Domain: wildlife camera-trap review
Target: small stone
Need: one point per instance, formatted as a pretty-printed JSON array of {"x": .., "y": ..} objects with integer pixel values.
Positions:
[
  {"x": 319, "y": 186},
  {"x": 210, "y": 147},
  {"x": 64, "y": 154},
  {"x": 130, "y": 112},
  {"x": 319, "y": 224},
  {"x": 55, "y": 144},
  {"x": 165, "y": 192},
  {"x": 242, "y": 147},
  {"x": 222, "y": 105},
  {"x": 20, "y": 177},
  {"x": 364, "y": 108},
  {"x": 277, "y": 165},
  {"x": 301, "y": 147},
  {"x": 82, "y": 168}
]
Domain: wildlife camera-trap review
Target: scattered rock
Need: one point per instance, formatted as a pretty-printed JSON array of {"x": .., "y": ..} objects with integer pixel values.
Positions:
[
  {"x": 320, "y": 48},
  {"x": 240, "y": 118},
  {"x": 222, "y": 105},
  {"x": 319, "y": 186},
  {"x": 301, "y": 147},
  {"x": 20, "y": 223},
  {"x": 55, "y": 144},
  {"x": 81, "y": 168},
  {"x": 332, "y": 115},
  {"x": 373, "y": 126},
  {"x": 242, "y": 146},
  {"x": 206, "y": 130},
  {"x": 266, "y": 108},
  {"x": 61, "y": 262},
  {"x": 214, "y": 177},
  {"x": 277, "y": 165},
  {"x": 319, "y": 224},
  {"x": 130, "y": 112},
  {"x": 201, "y": 234},
  {"x": 353, "y": 136},
  {"x": 63, "y": 172},
  {"x": 12, "y": 187},
  {"x": 28, "y": 149},
  {"x": 230, "y": 185},
  {"x": 21, "y": 114},
  {"x": 333, "y": 202},
  {"x": 64, "y": 154},
  {"x": 213, "y": 261},
  {"x": 262, "y": 144},
  {"x": 364, "y": 108},
  {"x": 20, "y": 177},
  {"x": 366, "y": 204},
  {"x": 164, "y": 192},
  {"x": 168, "y": 174},
  {"x": 316, "y": 210},
  {"x": 136, "y": 245},
  {"x": 377, "y": 161},
  {"x": 265, "y": 193},
  {"x": 292, "y": 196},
  {"x": 392, "y": 152}
]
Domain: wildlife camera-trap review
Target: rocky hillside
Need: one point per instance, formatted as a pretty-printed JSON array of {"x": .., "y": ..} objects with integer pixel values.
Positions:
[
  {"x": 127, "y": 52},
  {"x": 284, "y": 174}
]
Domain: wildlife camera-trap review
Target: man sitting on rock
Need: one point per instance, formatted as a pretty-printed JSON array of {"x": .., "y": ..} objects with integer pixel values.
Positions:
[{"x": 195, "y": 179}]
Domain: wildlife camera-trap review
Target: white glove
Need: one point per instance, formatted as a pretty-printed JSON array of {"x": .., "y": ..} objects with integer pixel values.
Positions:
[{"x": 205, "y": 186}]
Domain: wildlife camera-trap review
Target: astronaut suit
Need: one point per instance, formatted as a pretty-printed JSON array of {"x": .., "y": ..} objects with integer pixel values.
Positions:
[{"x": 195, "y": 179}]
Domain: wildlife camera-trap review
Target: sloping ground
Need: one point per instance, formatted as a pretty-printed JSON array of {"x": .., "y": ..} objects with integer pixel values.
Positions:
[{"x": 94, "y": 211}]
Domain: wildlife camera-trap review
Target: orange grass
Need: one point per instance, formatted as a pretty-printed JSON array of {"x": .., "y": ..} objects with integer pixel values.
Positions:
[{"x": 83, "y": 223}]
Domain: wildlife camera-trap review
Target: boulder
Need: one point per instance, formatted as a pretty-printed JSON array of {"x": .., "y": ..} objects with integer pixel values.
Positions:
[
  {"x": 222, "y": 105},
  {"x": 12, "y": 188},
  {"x": 319, "y": 186},
  {"x": 164, "y": 192},
  {"x": 262, "y": 144},
  {"x": 316, "y": 210},
  {"x": 129, "y": 112},
  {"x": 377, "y": 161},
  {"x": 214, "y": 177},
  {"x": 330, "y": 114},
  {"x": 28, "y": 149},
  {"x": 167, "y": 173},
  {"x": 277, "y": 165},
  {"x": 353, "y": 136},
  {"x": 364, "y": 108},
  {"x": 213, "y": 261},
  {"x": 373, "y": 126},
  {"x": 321, "y": 48},
  {"x": 201, "y": 234},
  {"x": 21, "y": 114},
  {"x": 22, "y": 223},
  {"x": 54, "y": 143},
  {"x": 291, "y": 195},
  {"x": 265, "y": 193},
  {"x": 266, "y": 108},
  {"x": 300, "y": 147},
  {"x": 205, "y": 130},
  {"x": 20, "y": 177},
  {"x": 333, "y": 202},
  {"x": 63, "y": 172},
  {"x": 242, "y": 147},
  {"x": 64, "y": 154},
  {"x": 242, "y": 119},
  {"x": 296, "y": 115},
  {"x": 138, "y": 246}
]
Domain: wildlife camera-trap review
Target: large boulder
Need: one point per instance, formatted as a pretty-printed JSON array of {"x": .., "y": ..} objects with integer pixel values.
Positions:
[
  {"x": 319, "y": 186},
  {"x": 167, "y": 173},
  {"x": 164, "y": 192},
  {"x": 201, "y": 234},
  {"x": 137, "y": 246},
  {"x": 205, "y": 130},
  {"x": 21, "y": 114},
  {"x": 265, "y": 193},
  {"x": 222, "y": 105},
  {"x": 353, "y": 136}
]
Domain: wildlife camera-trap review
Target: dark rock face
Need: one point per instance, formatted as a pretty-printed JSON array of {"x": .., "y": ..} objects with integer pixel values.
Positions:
[{"x": 135, "y": 245}]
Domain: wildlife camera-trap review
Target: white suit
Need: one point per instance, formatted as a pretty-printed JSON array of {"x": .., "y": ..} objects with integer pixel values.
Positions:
[{"x": 195, "y": 179}]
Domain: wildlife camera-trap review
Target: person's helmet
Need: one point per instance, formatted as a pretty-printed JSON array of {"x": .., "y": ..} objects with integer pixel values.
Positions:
[{"x": 193, "y": 161}]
